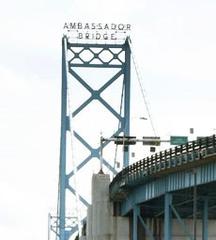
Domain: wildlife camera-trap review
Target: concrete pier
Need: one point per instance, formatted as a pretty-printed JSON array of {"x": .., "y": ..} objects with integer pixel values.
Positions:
[{"x": 101, "y": 224}]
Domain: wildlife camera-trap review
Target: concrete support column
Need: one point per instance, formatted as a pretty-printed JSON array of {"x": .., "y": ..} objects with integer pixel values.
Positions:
[
  {"x": 205, "y": 220},
  {"x": 89, "y": 223},
  {"x": 101, "y": 208},
  {"x": 168, "y": 217},
  {"x": 101, "y": 224}
]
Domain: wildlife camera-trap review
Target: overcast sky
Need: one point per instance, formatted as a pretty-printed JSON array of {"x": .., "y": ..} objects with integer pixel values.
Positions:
[{"x": 175, "y": 45}]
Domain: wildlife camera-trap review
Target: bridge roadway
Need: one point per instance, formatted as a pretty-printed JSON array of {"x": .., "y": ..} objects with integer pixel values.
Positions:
[{"x": 178, "y": 182}]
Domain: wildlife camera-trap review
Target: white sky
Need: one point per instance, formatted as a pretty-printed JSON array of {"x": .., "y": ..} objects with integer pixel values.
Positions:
[{"x": 175, "y": 44}]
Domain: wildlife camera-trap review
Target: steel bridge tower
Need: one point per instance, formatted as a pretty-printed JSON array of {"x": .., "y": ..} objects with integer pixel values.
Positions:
[{"x": 100, "y": 56}]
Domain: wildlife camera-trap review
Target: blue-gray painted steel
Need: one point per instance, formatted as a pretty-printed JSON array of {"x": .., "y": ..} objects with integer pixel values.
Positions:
[
  {"x": 163, "y": 164},
  {"x": 62, "y": 173},
  {"x": 182, "y": 224},
  {"x": 95, "y": 94},
  {"x": 165, "y": 174},
  {"x": 96, "y": 55},
  {"x": 168, "y": 183},
  {"x": 92, "y": 45},
  {"x": 69, "y": 67},
  {"x": 106, "y": 65},
  {"x": 127, "y": 99},
  {"x": 148, "y": 231},
  {"x": 136, "y": 211}
]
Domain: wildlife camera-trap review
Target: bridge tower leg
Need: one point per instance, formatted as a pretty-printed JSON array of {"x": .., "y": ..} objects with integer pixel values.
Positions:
[
  {"x": 127, "y": 102},
  {"x": 70, "y": 73},
  {"x": 62, "y": 170}
]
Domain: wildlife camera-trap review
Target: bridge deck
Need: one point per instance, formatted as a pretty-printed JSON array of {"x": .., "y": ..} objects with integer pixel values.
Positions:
[{"x": 168, "y": 171}]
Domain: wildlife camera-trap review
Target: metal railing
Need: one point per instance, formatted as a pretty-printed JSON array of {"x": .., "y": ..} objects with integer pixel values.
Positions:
[{"x": 159, "y": 163}]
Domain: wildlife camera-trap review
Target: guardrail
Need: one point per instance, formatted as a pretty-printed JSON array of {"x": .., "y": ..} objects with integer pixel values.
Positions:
[{"x": 160, "y": 163}]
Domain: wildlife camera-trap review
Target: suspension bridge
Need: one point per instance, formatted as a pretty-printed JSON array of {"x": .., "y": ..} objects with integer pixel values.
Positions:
[{"x": 168, "y": 195}]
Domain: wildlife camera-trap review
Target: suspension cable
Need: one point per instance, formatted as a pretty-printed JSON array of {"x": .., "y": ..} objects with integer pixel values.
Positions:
[{"x": 143, "y": 92}]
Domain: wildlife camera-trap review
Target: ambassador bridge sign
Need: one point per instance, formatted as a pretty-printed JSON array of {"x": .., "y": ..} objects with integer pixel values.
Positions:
[{"x": 96, "y": 31}]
